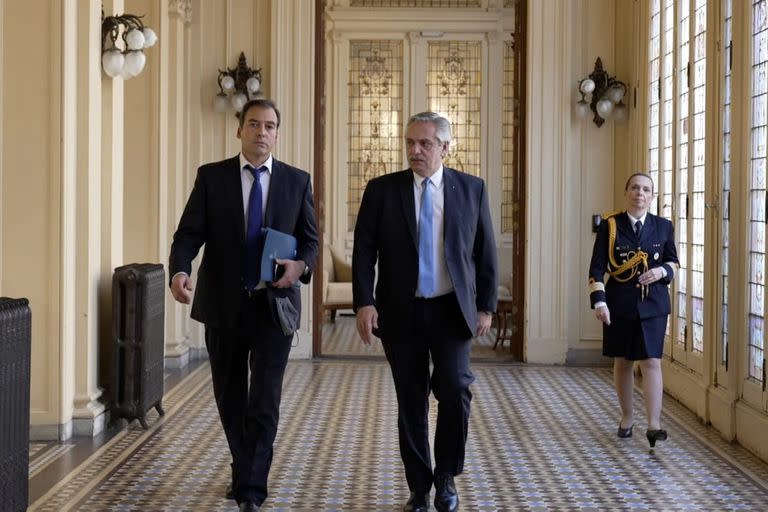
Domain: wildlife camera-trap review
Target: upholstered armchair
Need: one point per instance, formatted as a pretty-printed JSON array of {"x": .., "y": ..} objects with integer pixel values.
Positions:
[{"x": 337, "y": 282}]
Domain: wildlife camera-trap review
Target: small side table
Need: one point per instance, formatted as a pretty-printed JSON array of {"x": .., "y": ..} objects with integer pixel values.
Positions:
[{"x": 504, "y": 327}]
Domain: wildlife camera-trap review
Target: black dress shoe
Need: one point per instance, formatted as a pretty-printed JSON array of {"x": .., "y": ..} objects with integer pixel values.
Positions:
[
  {"x": 446, "y": 497},
  {"x": 625, "y": 432},
  {"x": 655, "y": 435},
  {"x": 417, "y": 502},
  {"x": 229, "y": 493},
  {"x": 249, "y": 506}
]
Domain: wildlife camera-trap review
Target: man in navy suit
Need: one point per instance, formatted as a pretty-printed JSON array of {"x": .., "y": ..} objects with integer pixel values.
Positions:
[
  {"x": 429, "y": 227},
  {"x": 230, "y": 203}
]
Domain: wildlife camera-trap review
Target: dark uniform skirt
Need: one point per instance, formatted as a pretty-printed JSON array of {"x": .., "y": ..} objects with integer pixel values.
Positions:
[{"x": 635, "y": 339}]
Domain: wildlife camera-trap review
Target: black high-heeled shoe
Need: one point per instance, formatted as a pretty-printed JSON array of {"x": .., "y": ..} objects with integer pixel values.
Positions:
[
  {"x": 655, "y": 435},
  {"x": 625, "y": 432}
]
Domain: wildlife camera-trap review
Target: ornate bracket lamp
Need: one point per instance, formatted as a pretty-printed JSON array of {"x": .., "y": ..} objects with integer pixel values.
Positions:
[
  {"x": 237, "y": 86},
  {"x": 603, "y": 95},
  {"x": 128, "y": 59}
]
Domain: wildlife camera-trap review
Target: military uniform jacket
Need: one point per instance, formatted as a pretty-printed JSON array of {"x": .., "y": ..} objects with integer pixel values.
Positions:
[{"x": 628, "y": 299}]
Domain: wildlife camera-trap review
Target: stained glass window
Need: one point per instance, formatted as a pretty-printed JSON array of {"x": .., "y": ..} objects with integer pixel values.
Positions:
[
  {"x": 681, "y": 174},
  {"x": 677, "y": 152},
  {"x": 375, "y": 115},
  {"x": 757, "y": 189},
  {"x": 443, "y": 4},
  {"x": 725, "y": 200},
  {"x": 699, "y": 79},
  {"x": 453, "y": 90},
  {"x": 654, "y": 46},
  {"x": 665, "y": 189},
  {"x": 508, "y": 157}
]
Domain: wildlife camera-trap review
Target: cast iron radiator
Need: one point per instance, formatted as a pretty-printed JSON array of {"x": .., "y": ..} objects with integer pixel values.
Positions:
[
  {"x": 15, "y": 348},
  {"x": 138, "y": 317}
]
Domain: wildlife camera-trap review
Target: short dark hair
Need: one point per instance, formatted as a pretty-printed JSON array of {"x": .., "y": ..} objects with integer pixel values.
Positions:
[
  {"x": 646, "y": 175},
  {"x": 260, "y": 103}
]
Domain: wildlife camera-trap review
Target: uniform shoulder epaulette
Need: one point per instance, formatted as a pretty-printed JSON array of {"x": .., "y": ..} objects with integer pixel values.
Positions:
[{"x": 607, "y": 215}]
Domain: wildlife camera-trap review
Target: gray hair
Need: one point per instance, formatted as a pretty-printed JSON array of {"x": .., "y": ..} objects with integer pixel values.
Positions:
[{"x": 442, "y": 125}]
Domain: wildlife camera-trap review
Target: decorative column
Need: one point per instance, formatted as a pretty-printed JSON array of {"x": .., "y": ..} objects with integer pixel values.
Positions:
[
  {"x": 292, "y": 89},
  {"x": 66, "y": 208},
  {"x": 548, "y": 110},
  {"x": 492, "y": 134},
  {"x": 111, "y": 196},
  {"x": 337, "y": 231},
  {"x": 88, "y": 410},
  {"x": 418, "y": 63},
  {"x": 174, "y": 22}
]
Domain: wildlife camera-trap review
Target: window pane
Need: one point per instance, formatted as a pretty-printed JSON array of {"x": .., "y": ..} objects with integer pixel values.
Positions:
[
  {"x": 726, "y": 178},
  {"x": 667, "y": 161},
  {"x": 453, "y": 90},
  {"x": 757, "y": 189},
  {"x": 375, "y": 115},
  {"x": 654, "y": 95},
  {"x": 510, "y": 124}
]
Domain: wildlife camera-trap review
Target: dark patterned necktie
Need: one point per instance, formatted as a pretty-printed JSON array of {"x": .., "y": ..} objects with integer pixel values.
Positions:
[
  {"x": 638, "y": 228},
  {"x": 253, "y": 231}
]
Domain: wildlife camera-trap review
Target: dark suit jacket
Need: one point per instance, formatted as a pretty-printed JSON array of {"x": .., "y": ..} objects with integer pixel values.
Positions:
[
  {"x": 624, "y": 299},
  {"x": 386, "y": 231},
  {"x": 214, "y": 216}
]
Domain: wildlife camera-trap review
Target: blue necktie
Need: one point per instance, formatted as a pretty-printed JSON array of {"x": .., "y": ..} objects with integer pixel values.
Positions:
[
  {"x": 426, "y": 244},
  {"x": 638, "y": 228},
  {"x": 253, "y": 231}
]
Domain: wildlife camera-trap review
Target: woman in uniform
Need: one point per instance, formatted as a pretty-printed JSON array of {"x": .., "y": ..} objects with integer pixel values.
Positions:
[{"x": 637, "y": 251}]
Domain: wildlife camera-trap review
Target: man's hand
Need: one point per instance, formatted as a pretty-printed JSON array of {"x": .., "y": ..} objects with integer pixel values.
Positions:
[
  {"x": 602, "y": 314},
  {"x": 367, "y": 321},
  {"x": 293, "y": 271},
  {"x": 181, "y": 288},
  {"x": 483, "y": 323}
]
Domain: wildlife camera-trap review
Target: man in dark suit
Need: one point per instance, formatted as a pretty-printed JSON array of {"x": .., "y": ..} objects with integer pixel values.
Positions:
[
  {"x": 429, "y": 227},
  {"x": 230, "y": 203}
]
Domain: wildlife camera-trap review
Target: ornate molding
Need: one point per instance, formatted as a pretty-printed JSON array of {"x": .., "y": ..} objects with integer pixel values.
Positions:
[
  {"x": 494, "y": 37},
  {"x": 182, "y": 9},
  {"x": 335, "y": 36}
]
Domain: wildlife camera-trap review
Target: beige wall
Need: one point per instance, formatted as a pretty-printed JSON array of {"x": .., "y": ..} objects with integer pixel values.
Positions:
[
  {"x": 30, "y": 171},
  {"x": 141, "y": 187}
]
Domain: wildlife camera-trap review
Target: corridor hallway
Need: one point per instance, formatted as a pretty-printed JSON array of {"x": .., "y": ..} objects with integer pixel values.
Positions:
[{"x": 540, "y": 438}]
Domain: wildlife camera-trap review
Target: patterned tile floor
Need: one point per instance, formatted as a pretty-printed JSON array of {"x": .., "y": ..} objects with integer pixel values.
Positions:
[
  {"x": 340, "y": 339},
  {"x": 541, "y": 438}
]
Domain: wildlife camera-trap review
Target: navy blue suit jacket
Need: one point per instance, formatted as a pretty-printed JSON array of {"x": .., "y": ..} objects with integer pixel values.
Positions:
[
  {"x": 624, "y": 300},
  {"x": 386, "y": 232},
  {"x": 214, "y": 216}
]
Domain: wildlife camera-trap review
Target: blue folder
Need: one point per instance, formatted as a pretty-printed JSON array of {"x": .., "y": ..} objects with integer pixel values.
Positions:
[{"x": 276, "y": 245}]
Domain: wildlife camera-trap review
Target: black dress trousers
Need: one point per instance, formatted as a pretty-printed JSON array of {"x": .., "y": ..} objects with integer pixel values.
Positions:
[
  {"x": 249, "y": 412},
  {"x": 438, "y": 331}
]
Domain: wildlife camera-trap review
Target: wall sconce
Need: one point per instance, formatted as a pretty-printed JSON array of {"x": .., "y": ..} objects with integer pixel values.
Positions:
[
  {"x": 237, "y": 86},
  {"x": 603, "y": 95},
  {"x": 128, "y": 60}
]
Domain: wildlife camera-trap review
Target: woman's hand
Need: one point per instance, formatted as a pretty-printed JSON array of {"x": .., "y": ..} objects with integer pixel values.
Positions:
[
  {"x": 651, "y": 276},
  {"x": 602, "y": 314}
]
